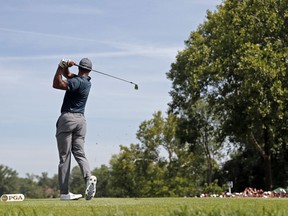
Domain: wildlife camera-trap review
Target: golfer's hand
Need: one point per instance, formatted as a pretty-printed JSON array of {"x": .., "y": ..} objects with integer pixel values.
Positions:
[
  {"x": 64, "y": 63},
  {"x": 70, "y": 63}
]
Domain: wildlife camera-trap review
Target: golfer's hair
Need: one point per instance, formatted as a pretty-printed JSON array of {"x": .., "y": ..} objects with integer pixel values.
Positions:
[{"x": 84, "y": 70}]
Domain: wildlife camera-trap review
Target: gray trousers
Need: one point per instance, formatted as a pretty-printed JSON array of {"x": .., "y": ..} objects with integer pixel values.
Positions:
[{"x": 70, "y": 134}]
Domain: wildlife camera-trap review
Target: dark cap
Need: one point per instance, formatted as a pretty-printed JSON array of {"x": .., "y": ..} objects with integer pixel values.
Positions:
[{"x": 85, "y": 62}]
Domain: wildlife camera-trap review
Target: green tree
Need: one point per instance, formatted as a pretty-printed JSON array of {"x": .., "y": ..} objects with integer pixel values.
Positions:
[
  {"x": 198, "y": 128},
  {"x": 243, "y": 171},
  {"x": 8, "y": 180},
  {"x": 181, "y": 169},
  {"x": 30, "y": 188},
  {"x": 48, "y": 185},
  {"x": 134, "y": 175},
  {"x": 103, "y": 175},
  {"x": 237, "y": 61},
  {"x": 160, "y": 165},
  {"x": 123, "y": 172},
  {"x": 77, "y": 183}
]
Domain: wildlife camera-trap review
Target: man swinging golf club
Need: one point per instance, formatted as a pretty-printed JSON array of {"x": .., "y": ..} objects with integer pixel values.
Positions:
[{"x": 71, "y": 126}]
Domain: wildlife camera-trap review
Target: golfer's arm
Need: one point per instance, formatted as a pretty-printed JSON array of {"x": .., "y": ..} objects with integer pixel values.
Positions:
[
  {"x": 58, "y": 82},
  {"x": 66, "y": 73}
]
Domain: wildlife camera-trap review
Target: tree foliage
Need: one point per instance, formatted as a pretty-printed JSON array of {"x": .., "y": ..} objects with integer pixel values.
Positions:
[
  {"x": 104, "y": 186},
  {"x": 160, "y": 165},
  {"x": 8, "y": 180},
  {"x": 237, "y": 62}
]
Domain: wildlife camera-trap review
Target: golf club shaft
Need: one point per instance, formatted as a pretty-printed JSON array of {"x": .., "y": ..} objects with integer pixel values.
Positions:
[{"x": 107, "y": 74}]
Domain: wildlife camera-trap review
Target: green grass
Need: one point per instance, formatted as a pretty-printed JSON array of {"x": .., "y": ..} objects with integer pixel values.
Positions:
[{"x": 148, "y": 206}]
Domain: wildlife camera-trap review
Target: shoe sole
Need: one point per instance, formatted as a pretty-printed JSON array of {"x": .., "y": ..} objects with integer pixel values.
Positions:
[
  {"x": 91, "y": 189},
  {"x": 76, "y": 198},
  {"x": 70, "y": 199}
]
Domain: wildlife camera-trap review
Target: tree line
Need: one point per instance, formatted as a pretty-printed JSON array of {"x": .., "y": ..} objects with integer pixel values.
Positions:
[
  {"x": 157, "y": 166},
  {"x": 227, "y": 119}
]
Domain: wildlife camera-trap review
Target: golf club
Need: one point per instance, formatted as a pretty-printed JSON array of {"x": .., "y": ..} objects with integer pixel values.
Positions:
[{"x": 135, "y": 85}]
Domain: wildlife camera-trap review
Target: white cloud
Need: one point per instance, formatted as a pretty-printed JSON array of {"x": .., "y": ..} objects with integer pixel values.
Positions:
[
  {"x": 123, "y": 48},
  {"x": 50, "y": 7}
]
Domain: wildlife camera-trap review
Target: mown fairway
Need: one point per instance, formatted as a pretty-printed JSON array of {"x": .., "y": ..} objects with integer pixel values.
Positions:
[{"x": 147, "y": 206}]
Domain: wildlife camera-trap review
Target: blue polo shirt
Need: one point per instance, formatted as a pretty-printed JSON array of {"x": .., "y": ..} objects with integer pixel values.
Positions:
[{"x": 76, "y": 95}]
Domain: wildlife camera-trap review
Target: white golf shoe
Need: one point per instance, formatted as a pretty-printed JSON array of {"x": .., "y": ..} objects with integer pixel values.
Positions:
[
  {"x": 70, "y": 196},
  {"x": 91, "y": 188}
]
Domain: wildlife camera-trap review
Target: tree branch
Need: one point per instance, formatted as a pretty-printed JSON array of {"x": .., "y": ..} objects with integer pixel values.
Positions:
[{"x": 257, "y": 145}]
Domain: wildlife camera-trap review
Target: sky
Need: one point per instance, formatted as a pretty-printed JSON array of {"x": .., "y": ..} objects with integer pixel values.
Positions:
[{"x": 132, "y": 39}]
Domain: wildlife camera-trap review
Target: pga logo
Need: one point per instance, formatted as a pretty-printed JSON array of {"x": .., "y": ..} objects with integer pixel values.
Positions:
[{"x": 12, "y": 197}]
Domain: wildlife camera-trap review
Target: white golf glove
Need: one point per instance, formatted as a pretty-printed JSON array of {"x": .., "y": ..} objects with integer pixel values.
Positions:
[{"x": 64, "y": 63}]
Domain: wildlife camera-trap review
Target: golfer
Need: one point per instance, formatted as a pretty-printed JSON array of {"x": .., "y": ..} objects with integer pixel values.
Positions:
[{"x": 71, "y": 126}]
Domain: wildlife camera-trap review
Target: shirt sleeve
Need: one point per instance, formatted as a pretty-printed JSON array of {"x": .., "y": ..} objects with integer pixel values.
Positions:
[{"x": 73, "y": 84}]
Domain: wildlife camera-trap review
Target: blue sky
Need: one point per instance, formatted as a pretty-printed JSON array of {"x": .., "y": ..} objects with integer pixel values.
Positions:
[{"x": 135, "y": 40}]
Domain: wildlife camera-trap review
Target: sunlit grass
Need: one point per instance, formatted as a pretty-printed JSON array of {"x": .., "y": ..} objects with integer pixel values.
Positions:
[{"x": 147, "y": 206}]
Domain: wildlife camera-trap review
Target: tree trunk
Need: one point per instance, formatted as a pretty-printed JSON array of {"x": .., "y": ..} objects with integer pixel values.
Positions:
[
  {"x": 210, "y": 169},
  {"x": 268, "y": 173},
  {"x": 208, "y": 156},
  {"x": 266, "y": 155}
]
